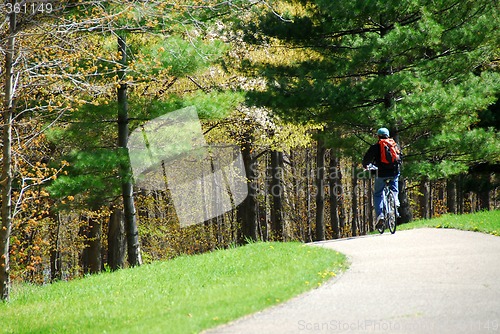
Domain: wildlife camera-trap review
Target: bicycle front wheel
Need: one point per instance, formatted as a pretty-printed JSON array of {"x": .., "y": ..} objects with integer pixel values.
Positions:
[{"x": 391, "y": 212}]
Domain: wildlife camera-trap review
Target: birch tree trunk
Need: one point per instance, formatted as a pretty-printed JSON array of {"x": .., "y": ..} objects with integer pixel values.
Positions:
[
  {"x": 133, "y": 249},
  {"x": 6, "y": 177}
]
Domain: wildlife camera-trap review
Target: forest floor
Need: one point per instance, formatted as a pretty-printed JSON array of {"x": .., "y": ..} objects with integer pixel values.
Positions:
[{"x": 424, "y": 280}]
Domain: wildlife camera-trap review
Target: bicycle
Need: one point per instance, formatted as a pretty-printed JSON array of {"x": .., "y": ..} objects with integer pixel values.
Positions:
[{"x": 389, "y": 209}]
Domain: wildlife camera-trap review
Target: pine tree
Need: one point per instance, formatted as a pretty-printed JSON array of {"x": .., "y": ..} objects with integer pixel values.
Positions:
[
  {"x": 419, "y": 68},
  {"x": 160, "y": 53}
]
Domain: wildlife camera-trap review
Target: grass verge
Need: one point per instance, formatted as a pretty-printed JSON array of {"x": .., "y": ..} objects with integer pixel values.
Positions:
[
  {"x": 184, "y": 295},
  {"x": 483, "y": 221}
]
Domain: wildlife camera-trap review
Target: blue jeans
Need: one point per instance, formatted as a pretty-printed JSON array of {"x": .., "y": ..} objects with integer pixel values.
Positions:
[{"x": 378, "y": 192}]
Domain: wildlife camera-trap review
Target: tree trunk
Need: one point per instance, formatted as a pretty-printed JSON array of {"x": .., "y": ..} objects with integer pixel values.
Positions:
[
  {"x": 354, "y": 197},
  {"x": 247, "y": 211},
  {"x": 424, "y": 199},
  {"x": 432, "y": 195},
  {"x": 133, "y": 248},
  {"x": 451, "y": 195},
  {"x": 484, "y": 191},
  {"x": 55, "y": 254},
  {"x": 484, "y": 200},
  {"x": 460, "y": 194},
  {"x": 365, "y": 207},
  {"x": 320, "y": 192},
  {"x": 296, "y": 206},
  {"x": 307, "y": 173},
  {"x": 369, "y": 201},
  {"x": 440, "y": 202},
  {"x": 6, "y": 177},
  {"x": 117, "y": 242},
  {"x": 276, "y": 191},
  {"x": 93, "y": 247},
  {"x": 405, "y": 214},
  {"x": 335, "y": 185}
]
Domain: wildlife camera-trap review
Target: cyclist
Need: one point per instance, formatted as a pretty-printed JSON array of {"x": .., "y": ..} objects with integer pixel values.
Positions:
[{"x": 384, "y": 171}]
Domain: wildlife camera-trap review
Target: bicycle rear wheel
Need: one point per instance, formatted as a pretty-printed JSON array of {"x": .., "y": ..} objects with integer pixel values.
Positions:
[
  {"x": 391, "y": 212},
  {"x": 381, "y": 227}
]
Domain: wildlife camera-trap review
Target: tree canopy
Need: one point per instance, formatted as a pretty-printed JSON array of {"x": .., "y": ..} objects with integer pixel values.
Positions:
[{"x": 426, "y": 70}]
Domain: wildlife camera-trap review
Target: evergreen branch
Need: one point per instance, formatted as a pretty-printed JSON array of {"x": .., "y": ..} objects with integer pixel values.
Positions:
[{"x": 466, "y": 20}]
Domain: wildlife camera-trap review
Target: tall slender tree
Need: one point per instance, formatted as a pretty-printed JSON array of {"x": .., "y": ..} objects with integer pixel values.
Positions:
[
  {"x": 320, "y": 191},
  {"x": 6, "y": 175},
  {"x": 336, "y": 194},
  {"x": 277, "y": 194},
  {"x": 133, "y": 247}
]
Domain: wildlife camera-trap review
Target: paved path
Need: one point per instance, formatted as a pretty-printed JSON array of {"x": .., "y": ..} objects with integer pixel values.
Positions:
[{"x": 417, "y": 281}]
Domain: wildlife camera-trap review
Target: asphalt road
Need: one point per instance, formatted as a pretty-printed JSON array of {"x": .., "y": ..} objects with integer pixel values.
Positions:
[{"x": 417, "y": 281}]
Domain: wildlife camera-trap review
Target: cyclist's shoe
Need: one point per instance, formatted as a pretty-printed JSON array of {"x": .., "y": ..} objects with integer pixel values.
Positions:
[
  {"x": 379, "y": 221},
  {"x": 397, "y": 210}
]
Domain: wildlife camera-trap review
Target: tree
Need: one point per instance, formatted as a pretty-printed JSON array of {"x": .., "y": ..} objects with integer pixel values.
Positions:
[
  {"x": 417, "y": 67},
  {"x": 337, "y": 214},
  {"x": 320, "y": 192},
  {"x": 153, "y": 74},
  {"x": 24, "y": 82},
  {"x": 133, "y": 248},
  {"x": 277, "y": 193},
  {"x": 68, "y": 74},
  {"x": 6, "y": 178}
]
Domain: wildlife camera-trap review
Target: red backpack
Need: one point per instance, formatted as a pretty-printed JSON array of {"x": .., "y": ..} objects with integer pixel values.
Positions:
[{"x": 389, "y": 151}]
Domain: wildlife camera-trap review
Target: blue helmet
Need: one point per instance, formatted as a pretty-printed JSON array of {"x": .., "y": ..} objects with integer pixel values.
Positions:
[{"x": 384, "y": 132}]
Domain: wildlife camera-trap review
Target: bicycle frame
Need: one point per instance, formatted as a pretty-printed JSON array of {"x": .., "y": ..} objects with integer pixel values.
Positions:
[{"x": 389, "y": 209}]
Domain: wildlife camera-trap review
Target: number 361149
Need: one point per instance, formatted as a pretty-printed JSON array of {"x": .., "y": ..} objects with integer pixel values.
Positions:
[{"x": 27, "y": 8}]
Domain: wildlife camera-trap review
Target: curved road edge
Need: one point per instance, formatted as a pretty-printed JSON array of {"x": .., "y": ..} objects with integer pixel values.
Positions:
[{"x": 416, "y": 281}]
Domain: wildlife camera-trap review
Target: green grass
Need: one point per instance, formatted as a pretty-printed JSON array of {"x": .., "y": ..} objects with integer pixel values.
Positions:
[
  {"x": 184, "y": 295},
  {"x": 483, "y": 221}
]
